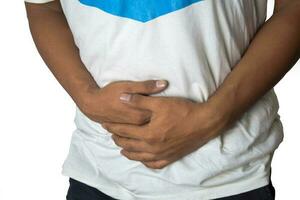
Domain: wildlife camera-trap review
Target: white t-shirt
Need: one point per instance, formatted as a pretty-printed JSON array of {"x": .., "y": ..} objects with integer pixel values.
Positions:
[
  {"x": 193, "y": 44},
  {"x": 39, "y": 1}
]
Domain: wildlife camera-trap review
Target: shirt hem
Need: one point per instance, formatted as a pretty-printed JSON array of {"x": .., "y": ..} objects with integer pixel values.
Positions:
[{"x": 118, "y": 192}]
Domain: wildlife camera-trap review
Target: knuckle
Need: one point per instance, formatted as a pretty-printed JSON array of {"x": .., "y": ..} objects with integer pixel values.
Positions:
[
  {"x": 128, "y": 147},
  {"x": 145, "y": 163},
  {"x": 152, "y": 157},
  {"x": 157, "y": 165},
  {"x": 150, "y": 139},
  {"x": 125, "y": 86},
  {"x": 149, "y": 165},
  {"x": 128, "y": 88},
  {"x": 108, "y": 128},
  {"x": 143, "y": 158},
  {"x": 129, "y": 156},
  {"x": 117, "y": 144},
  {"x": 116, "y": 129},
  {"x": 126, "y": 153},
  {"x": 116, "y": 141},
  {"x": 147, "y": 157},
  {"x": 141, "y": 119},
  {"x": 156, "y": 150},
  {"x": 161, "y": 164},
  {"x": 160, "y": 139},
  {"x": 114, "y": 137}
]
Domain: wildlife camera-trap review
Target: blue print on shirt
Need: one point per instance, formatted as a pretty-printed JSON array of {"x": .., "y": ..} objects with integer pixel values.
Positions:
[{"x": 140, "y": 10}]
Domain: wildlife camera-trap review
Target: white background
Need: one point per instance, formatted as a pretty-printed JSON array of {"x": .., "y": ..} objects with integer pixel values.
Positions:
[{"x": 36, "y": 120}]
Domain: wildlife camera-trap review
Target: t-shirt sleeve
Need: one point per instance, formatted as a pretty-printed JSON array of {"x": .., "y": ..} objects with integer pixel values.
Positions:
[{"x": 38, "y": 1}]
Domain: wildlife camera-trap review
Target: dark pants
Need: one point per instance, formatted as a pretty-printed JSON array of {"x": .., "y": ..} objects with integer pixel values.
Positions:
[{"x": 80, "y": 191}]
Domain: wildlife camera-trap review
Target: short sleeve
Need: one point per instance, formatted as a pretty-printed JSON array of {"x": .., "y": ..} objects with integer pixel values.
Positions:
[{"x": 38, "y": 1}]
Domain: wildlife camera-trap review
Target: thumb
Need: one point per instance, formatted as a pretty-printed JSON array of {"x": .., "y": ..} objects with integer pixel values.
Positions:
[{"x": 146, "y": 87}]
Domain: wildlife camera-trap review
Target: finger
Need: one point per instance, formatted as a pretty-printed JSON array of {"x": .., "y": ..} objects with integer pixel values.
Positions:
[
  {"x": 126, "y": 130},
  {"x": 139, "y": 101},
  {"x": 139, "y": 156},
  {"x": 146, "y": 87},
  {"x": 130, "y": 144},
  {"x": 158, "y": 164},
  {"x": 138, "y": 116}
]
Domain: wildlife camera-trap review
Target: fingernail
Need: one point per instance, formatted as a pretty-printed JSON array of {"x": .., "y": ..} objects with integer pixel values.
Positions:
[
  {"x": 125, "y": 97},
  {"x": 161, "y": 83}
]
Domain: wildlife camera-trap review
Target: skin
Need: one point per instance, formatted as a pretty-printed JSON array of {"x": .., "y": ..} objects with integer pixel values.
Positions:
[
  {"x": 161, "y": 134},
  {"x": 174, "y": 133},
  {"x": 56, "y": 46}
]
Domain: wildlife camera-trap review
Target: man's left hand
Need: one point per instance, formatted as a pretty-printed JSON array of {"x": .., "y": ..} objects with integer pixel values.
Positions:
[{"x": 178, "y": 126}]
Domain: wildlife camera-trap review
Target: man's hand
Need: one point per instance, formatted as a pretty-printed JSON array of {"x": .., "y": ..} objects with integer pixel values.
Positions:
[
  {"x": 104, "y": 105},
  {"x": 178, "y": 127}
]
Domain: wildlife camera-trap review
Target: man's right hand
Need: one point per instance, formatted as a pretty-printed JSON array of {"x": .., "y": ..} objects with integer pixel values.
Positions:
[
  {"x": 55, "y": 42},
  {"x": 104, "y": 104}
]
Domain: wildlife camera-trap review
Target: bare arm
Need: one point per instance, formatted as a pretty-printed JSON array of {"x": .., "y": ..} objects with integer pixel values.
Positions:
[
  {"x": 271, "y": 54},
  {"x": 55, "y": 43},
  {"x": 180, "y": 127}
]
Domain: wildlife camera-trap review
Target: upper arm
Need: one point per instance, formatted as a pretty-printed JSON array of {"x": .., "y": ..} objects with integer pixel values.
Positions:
[
  {"x": 280, "y": 4},
  {"x": 36, "y": 7}
]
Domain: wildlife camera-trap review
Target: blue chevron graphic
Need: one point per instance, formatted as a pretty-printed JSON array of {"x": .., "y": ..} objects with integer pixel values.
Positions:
[{"x": 139, "y": 10}]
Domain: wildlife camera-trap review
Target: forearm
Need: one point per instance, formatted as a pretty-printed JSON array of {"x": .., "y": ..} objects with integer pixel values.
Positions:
[
  {"x": 56, "y": 46},
  {"x": 271, "y": 54}
]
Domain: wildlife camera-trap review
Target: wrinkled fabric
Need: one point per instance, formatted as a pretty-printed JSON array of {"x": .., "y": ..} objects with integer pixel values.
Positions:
[{"x": 194, "y": 46}]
